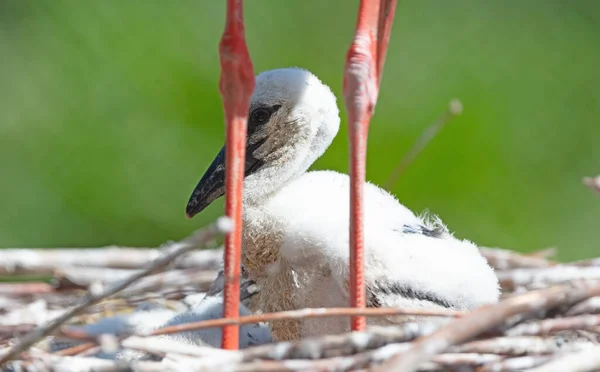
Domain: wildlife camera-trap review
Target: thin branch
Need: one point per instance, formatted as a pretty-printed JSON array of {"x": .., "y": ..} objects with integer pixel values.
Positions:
[
  {"x": 584, "y": 360},
  {"x": 339, "y": 345},
  {"x": 534, "y": 278},
  {"x": 549, "y": 326},
  {"x": 45, "y": 261},
  {"x": 454, "y": 109},
  {"x": 198, "y": 239},
  {"x": 502, "y": 259},
  {"x": 305, "y": 314}
]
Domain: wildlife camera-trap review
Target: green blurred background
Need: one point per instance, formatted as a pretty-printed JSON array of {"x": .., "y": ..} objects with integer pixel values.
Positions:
[{"x": 110, "y": 113}]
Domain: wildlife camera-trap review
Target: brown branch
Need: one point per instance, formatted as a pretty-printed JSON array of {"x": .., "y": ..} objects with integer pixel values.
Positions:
[
  {"x": 24, "y": 289},
  {"x": 305, "y": 314},
  {"x": 198, "y": 239},
  {"x": 487, "y": 318},
  {"x": 454, "y": 109}
]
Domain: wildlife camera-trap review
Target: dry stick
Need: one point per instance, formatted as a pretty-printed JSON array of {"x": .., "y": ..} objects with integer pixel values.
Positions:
[
  {"x": 304, "y": 314},
  {"x": 339, "y": 345},
  {"x": 454, "y": 109},
  {"x": 516, "y": 346},
  {"x": 44, "y": 261},
  {"x": 501, "y": 259},
  {"x": 222, "y": 225},
  {"x": 589, "y": 306},
  {"x": 24, "y": 289},
  {"x": 593, "y": 183},
  {"x": 536, "y": 278},
  {"x": 486, "y": 318},
  {"x": 543, "y": 253},
  {"x": 516, "y": 364},
  {"x": 585, "y": 360},
  {"x": 74, "y": 350},
  {"x": 548, "y": 326}
]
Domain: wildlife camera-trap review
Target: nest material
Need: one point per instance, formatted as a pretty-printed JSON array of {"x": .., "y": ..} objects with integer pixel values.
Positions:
[{"x": 548, "y": 319}]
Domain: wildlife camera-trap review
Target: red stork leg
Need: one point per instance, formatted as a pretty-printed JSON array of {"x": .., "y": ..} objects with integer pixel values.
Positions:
[
  {"x": 236, "y": 86},
  {"x": 362, "y": 74}
]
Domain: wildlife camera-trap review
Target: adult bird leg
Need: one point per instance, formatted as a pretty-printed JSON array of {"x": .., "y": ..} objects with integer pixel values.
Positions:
[
  {"x": 236, "y": 86},
  {"x": 362, "y": 76}
]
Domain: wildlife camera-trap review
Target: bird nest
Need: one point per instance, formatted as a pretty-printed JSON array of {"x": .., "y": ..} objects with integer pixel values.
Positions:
[{"x": 548, "y": 318}]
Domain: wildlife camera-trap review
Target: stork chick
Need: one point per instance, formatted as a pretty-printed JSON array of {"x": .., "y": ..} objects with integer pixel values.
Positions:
[{"x": 296, "y": 223}]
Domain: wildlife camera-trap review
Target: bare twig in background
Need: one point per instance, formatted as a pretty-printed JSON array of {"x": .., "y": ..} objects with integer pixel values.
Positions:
[
  {"x": 593, "y": 183},
  {"x": 534, "y": 278},
  {"x": 200, "y": 238},
  {"x": 454, "y": 109},
  {"x": 45, "y": 261},
  {"x": 487, "y": 318},
  {"x": 502, "y": 259},
  {"x": 546, "y": 253}
]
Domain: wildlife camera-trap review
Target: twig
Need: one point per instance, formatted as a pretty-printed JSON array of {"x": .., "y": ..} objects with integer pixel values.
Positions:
[
  {"x": 44, "y": 261},
  {"x": 513, "y": 346},
  {"x": 583, "y": 361},
  {"x": 539, "y": 278},
  {"x": 549, "y": 326},
  {"x": 77, "y": 349},
  {"x": 24, "y": 289},
  {"x": 589, "y": 306},
  {"x": 454, "y": 109},
  {"x": 199, "y": 238},
  {"x": 545, "y": 253},
  {"x": 487, "y": 318},
  {"x": 339, "y": 345},
  {"x": 516, "y": 364},
  {"x": 305, "y": 314},
  {"x": 502, "y": 259},
  {"x": 593, "y": 183}
]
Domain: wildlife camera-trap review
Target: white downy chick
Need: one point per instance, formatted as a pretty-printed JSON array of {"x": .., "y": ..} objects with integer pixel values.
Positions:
[{"x": 296, "y": 223}]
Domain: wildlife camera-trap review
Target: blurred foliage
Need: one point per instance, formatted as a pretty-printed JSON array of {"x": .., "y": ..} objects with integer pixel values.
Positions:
[{"x": 110, "y": 113}]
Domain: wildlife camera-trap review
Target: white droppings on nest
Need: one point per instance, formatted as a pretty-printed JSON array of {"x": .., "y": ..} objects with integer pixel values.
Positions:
[
  {"x": 194, "y": 299},
  {"x": 96, "y": 288},
  {"x": 280, "y": 350},
  {"x": 253, "y": 288},
  {"x": 360, "y": 340},
  {"x": 109, "y": 344}
]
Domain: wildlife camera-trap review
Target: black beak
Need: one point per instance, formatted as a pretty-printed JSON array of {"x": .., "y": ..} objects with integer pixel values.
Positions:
[
  {"x": 212, "y": 184},
  {"x": 210, "y": 187}
]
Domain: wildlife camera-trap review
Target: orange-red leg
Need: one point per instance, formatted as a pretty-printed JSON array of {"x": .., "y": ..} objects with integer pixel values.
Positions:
[
  {"x": 362, "y": 74},
  {"x": 236, "y": 86}
]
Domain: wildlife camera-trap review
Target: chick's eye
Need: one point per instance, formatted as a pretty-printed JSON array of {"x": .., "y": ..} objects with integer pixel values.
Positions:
[{"x": 260, "y": 116}]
